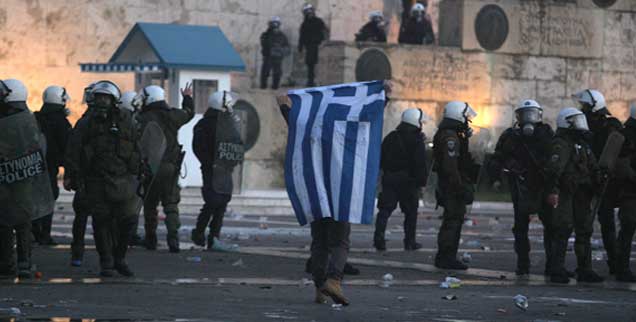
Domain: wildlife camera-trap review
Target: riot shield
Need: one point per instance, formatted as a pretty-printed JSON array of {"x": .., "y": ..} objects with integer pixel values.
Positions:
[
  {"x": 25, "y": 187},
  {"x": 429, "y": 197},
  {"x": 229, "y": 151},
  {"x": 607, "y": 162},
  {"x": 152, "y": 146}
]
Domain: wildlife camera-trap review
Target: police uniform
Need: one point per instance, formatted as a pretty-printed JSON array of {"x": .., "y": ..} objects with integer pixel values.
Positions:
[
  {"x": 403, "y": 164},
  {"x": 627, "y": 201},
  {"x": 274, "y": 47},
  {"x": 312, "y": 34},
  {"x": 103, "y": 165},
  {"x": 416, "y": 32},
  {"x": 523, "y": 157},
  {"x": 601, "y": 128},
  {"x": 56, "y": 128},
  {"x": 165, "y": 187},
  {"x": 571, "y": 172},
  {"x": 371, "y": 31},
  {"x": 456, "y": 175}
]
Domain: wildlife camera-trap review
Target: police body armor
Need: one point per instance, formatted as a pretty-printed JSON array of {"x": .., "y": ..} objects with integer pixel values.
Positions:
[
  {"x": 25, "y": 187},
  {"x": 229, "y": 151}
]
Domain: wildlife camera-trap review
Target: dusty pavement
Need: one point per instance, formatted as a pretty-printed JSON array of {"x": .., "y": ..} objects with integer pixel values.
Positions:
[{"x": 265, "y": 281}]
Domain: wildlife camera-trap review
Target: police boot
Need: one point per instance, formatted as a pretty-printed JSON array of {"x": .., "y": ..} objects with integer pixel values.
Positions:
[
  {"x": 380, "y": 227},
  {"x": 588, "y": 276},
  {"x": 173, "y": 244},
  {"x": 150, "y": 241},
  {"x": 350, "y": 270},
  {"x": 122, "y": 268},
  {"x": 449, "y": 263},
  {"x": 523, "y": 265},
  {"x": 76, "y": 258},
  {"x": 24, "y": 270},
  {"x": 333, "y": 289},
  {"x": 45, "y": 232},
  {"x": 198, "y": 237},
  {"x": 558, "y": 274},
  {"x": 411, "y": 246}
]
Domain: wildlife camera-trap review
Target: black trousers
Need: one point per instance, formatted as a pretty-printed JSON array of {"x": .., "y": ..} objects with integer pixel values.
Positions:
[
  {"x": 627, "y": 217},
  {"x": 451, "y": 229},
  {"x": 311, "y": 59},
  {"x": 271, "y": 64},
  {"x": 520, "y": 232},
  {"x": 21, "y": 235},
  {"x": 329, "y": 249},
  {"x": 41, "y": 227},
  {"x": 82, "y": 210},
  {"x": 214, "y": 207},
  {"x": 608, "y": 229},
  {"x": 397, "y": 190}
]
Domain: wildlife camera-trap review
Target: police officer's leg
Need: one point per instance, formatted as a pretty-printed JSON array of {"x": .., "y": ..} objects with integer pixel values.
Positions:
[
  {"x": 47, "y": 221},
  {"x": 124, "y": 215},
  {"x": 151, "y": 214},
  {"x": 218, "y": 213},
  {"x": 522, "y": 243},
  {"x": 277, "y": 72},
  {"x": 545, "y": 215},
  {"x": 203, "y": 219},
  {"x": 265, "y": 68},
  {"x": 627, "y": 216},
  {"x": 409, "y": 201},
  {"x": 103, "y": 223},
  {"x": 387, "y": 202},
  {"x": 311, "y": 59},
  {"x": 81, "y": 210},
  {"x": 171, "y": 196},
  {"x": 450, "y": 233},
  {"x": 7, "y": 258},
  {"x": 583, "y": 229},
  {"x": 562, "y": 226},
  {"x": 23, "y": 249},
  {"x": 608, "y": 231}
]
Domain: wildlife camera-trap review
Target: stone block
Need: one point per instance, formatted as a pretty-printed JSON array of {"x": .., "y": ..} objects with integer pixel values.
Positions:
[
  {"x": 508, "y": 91},
  {"x": 628, "y": 86},
  {"x": 620, "y": 29},
  {"x": 572, "y": 32},
  {"x": 618, "y": 58},
  {"x": 608, "y": 83},
  {"x": 545, "y": 68},
  {"x": 550, "y": 89}
]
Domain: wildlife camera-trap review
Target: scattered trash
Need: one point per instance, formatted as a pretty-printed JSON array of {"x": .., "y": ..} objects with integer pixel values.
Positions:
[
  {"x": 470, "y": 223},
  {"x": 401, "y": 298},
  {"x": 26, "y": 303},
  {"x": 521, "y": 302},
  {"x": 194, "y": 259},
  {"x": 238, "y": 263},
  {"x": 559, "y": 314},
  {"x": 38, "y": 275},
  {"x": 11, "y": 311},
  {"x": 387, "y": 277},
  {"x": 502, "y": 310},
  {"x": 451, "y": 282},
  {"x": 473, "y": 243},
  {"x": 336, "y": 307},
  {"x": 265, "y": 287},
  {"x": 304, "y": 282},
  {"x": 262, "y": 223},
  {"x": 449, "y": 297},
  {"x": 485, "y": 248},
  {"x": 466, "y": 258}
]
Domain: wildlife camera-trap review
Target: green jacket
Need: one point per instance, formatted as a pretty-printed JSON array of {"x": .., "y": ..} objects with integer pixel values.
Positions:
[{"x": 571, "y": 163}]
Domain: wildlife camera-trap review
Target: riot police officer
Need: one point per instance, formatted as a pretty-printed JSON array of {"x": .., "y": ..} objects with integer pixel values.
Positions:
[
  {"x": 601, "y": 124},
  {"x": 374, "y": 29},
  {"x": 627, "y": 200},
  {"x": 104, "y": 162},
  {"x": 218, "y": 146},
  {"x": 130, "y": 102},
  {"x": 520, "y": 155},
  {"x": 571, "y": 173},
  {"x": 18, "y": 203},
  {"x": 313, "y": 32},
  {"x": 56, "y": 129},
  {"x": 457, "y": 172},
  {"x": 165, "y": 185},
  {"x": 417, "y": 29},
  {"x": 274, "y": 47},
  {"x": 403, "y": 165}
]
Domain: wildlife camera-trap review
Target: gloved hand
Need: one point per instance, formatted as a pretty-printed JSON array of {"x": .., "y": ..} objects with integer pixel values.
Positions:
[{"x": 553, "y": 200}]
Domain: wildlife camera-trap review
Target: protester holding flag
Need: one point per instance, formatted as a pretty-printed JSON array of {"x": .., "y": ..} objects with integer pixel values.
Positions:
[{"x": 331, "y": 181}]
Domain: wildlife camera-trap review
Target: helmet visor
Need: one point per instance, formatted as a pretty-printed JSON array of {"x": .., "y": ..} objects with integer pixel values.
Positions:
[
  {"x": 469, "y": 113},
  {"x": 578, "y": 122},
  {"x": 528, "y": 115},
  {"x": 4, "y": 90}
]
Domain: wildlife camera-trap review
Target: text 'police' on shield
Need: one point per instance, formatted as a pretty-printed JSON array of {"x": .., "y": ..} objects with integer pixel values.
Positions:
[{"x": 22, "y": 168}]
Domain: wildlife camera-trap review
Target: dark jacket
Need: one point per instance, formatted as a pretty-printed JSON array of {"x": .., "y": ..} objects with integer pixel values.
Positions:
[
  {"x": 274, "y": 44},
  {"x": 203, "y": 141},
  {"x": 522, "y": 155},
  {"x": 626, "y": 165},
  {"x": 601, "y": 127},
  {"x": 404, "y": 153},
  {"x": 170, "y": 120},
  {"x": 371, "y": 32},
  {"x": 416, "y": 32},
  {"x": 312, "y": 32},
  {"x": 571, "y": 165},
  {"x": 454, "y": 164},
  {"x": 8, "y": 109},
  {"x": 56, "y": 129}
]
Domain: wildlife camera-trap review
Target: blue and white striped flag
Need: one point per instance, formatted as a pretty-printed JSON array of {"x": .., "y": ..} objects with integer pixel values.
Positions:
[{"x": 333, "y": 151}]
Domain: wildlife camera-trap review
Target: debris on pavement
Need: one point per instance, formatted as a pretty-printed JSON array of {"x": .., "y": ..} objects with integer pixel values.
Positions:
[
  {"x": 26, "y": 303},
  {"x": 402, "y": 298},
  {"x": 521, "y": 302},
  {"x": 559, "y": 314},
  {"x": 11, "y": 311},
  {"x": 502, "y": 310},
  {"x": 473, "y": 244},
  {"x": 486, "y": 248},
  {"x": 466, "y": 258},
  {"x": 336, "y": 307},
  {"x": 387, "y": 280},
  {"x": 194, "y": 259},
  {"x": 451, "y": 282},
  {"x": 238, "y": 263},
  {"x": 449, "y": 297}
]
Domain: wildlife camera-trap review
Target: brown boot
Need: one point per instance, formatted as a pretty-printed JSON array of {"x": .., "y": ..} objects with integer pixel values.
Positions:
[
  {"x": 332, "y": 289},
  {"x": 320, "y": 298}
]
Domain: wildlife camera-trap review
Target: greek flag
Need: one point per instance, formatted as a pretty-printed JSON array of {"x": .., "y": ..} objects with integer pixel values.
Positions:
[{"x": 333, "y": 151}]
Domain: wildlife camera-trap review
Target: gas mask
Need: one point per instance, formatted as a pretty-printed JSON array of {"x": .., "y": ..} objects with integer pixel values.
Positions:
[
  {"x": 527, "y": 118},
  {"x": 102, "y": 105}
]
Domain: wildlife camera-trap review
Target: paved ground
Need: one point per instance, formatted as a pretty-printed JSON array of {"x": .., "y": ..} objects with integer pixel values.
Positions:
[{"x": 265, "y": 280}]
